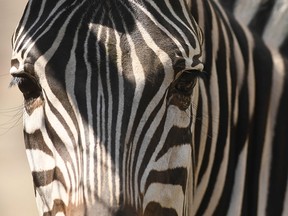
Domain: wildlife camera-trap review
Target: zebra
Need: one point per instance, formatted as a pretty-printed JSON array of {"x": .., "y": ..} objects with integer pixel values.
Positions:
[
  {"x": 264, "y": 18},
  {"x": 141, "y": 107}
]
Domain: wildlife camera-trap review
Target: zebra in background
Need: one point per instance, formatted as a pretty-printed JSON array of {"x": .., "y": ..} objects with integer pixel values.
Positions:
[
  {"x": 267, "y": 18},
  {"x": 145, "y": 107}
]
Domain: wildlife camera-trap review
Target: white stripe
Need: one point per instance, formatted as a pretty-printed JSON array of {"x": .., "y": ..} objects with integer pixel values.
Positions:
[
  {"x": 119, "y": 117},
  {"x": 165, "y": 195},
  {"x": 276, "y": 29},
  {"x": 99, "y": 114},
  {"x": 91, "y": 140},
  {"x": 235, "y": 207},
  {"x": 251, "y": 73},
  {"x": 109, "y": 123},
  {"x": 175, "y": 157},
  {"x": 245, "y": 10},
  {"x": 204, "y": 118},
  {"x": 39, "y": 161},
  {"x": 35, "y": 121}
]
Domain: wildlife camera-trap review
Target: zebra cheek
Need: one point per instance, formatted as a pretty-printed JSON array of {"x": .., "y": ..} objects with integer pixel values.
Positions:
[{"x": 33, "y": 121}]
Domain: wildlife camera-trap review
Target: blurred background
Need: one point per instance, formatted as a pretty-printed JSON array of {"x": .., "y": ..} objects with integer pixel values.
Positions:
[{"x": 16, "y": 188}]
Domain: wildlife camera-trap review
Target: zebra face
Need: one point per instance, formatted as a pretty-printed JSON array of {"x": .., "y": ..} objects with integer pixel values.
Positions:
[{"x": 108, "y": 119}]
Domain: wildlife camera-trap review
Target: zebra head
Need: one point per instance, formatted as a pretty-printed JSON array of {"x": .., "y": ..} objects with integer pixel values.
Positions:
[{"x": 108, "y": 92}]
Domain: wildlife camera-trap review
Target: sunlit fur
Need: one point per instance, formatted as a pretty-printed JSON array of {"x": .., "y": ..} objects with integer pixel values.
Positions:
[{"x": 109, "y": 134}]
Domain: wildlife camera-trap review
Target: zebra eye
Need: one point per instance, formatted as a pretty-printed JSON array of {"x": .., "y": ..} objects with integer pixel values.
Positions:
[
  {"x": 27, "y": 84},
  {"x": 186, "y": 82},
  {"x": 181, "y": 89}
]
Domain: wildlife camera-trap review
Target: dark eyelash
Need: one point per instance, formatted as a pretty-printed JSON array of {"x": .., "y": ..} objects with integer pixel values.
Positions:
[{"x": 20, "y": 77}]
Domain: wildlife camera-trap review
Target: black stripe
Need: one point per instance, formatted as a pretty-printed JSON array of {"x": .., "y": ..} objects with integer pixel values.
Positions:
[
  {"x": 284, "y": 48},
  {"x": 154, "y": 208},
  {"x": 36, "y": 141},
  {"x": 228, "y": 4},
  {"x": 198, "y": 125},
  {"x": 173, "y": 141},
  {"x": 43, "y": 178},
  {"x": 177, "y": 176}
]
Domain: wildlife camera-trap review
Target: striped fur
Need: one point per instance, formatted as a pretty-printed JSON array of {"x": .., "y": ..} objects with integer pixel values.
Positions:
[
  {"x": 266, "y": 18},
  {"x": 150, "y": 108}
]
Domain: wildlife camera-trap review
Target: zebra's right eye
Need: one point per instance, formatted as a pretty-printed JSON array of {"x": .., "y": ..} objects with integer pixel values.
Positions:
[
  {"x": 30, "y": 88},
  {"x": 27, "y": 84}
]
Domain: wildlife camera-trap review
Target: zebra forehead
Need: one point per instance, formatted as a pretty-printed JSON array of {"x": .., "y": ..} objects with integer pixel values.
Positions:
[
  {"x": 120, "y": 15},
  {"x": 145, "y": 24}
]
